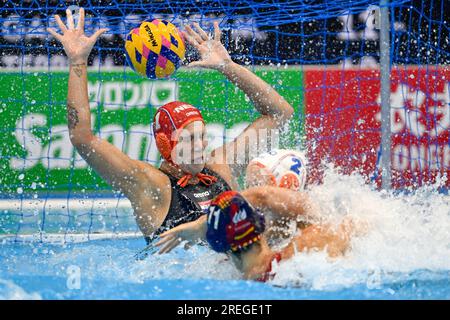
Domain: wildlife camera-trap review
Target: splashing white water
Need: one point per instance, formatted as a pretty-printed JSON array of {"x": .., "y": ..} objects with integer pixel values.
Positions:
[{"x": 406, "y": 233}]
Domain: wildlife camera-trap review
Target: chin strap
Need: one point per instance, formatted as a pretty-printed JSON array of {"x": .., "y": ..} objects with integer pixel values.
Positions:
[{"x": 206, "y": 179}]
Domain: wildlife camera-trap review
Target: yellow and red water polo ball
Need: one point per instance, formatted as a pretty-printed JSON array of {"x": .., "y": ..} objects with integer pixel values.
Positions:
[{"x": 155, "y": 49}]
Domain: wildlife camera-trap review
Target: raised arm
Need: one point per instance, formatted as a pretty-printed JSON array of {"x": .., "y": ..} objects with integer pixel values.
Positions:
[
  {"x": 120, "y": 171},
  {"x": 274, "y": 109}
]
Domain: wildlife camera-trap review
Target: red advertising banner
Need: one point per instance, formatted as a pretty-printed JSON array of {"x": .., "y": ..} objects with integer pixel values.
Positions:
[{"x": 343, "y": 123}]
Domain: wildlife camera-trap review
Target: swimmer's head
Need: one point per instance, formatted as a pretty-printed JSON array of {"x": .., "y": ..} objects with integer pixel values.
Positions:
[
  {"x": 233, "y": 224},
  {"x": 179, "y": 131},
  {"x": 278, "y": 168}
]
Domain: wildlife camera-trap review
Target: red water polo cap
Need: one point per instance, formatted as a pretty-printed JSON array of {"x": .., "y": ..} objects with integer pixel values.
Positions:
[{"x": 168, "y": 119}]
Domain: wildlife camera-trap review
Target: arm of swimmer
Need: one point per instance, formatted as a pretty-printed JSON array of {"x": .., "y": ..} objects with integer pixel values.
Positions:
[
  {"x": 144, "y": 185},
  {"x": 214, "y": 56},
  {"x": 335, "y": 240},
  {"x": 190, "y": 231},
  {"x": 120, "y": 171},
  {"x": 140, "y": 182},
  {"x": 275, "y": 110},
  {"x": 282, "y": 202},
  {"x": 111, "y": 163}
]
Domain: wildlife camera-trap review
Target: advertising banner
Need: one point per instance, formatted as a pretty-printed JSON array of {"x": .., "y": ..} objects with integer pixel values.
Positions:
[{"x": 343, "y": 123}]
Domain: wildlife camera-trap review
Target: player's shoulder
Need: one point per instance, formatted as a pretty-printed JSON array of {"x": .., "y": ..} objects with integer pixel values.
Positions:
[{"x": 149, "y": 175}]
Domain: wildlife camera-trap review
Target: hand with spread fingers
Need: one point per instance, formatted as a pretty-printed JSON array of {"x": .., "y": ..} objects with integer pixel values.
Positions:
[
  {"x": 76, "y": 44},
  {"x": 212, "y": 52},
  {"x": 190, "y": 231}
]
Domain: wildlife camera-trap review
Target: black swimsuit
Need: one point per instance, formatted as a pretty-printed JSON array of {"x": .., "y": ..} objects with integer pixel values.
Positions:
[{"x": 189, "y": 203}]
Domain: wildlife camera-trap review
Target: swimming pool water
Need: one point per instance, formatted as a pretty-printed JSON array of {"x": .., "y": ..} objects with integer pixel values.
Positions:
[
  {"x": 108, "y": 270},
  {"x": 404, "y": 255}
]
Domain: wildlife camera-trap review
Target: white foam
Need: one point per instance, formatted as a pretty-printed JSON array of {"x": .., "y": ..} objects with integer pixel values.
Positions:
[{"x": 406, "y": 233}]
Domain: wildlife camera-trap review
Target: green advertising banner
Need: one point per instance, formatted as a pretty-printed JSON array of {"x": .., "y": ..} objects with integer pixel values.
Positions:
[{"x": 35, "y": 151}]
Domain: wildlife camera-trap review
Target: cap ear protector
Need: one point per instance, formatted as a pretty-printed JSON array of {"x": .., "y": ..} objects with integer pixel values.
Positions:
[
  {"x": 163, "y": 144},
  {"x": 290, "y": 181},
  {"x": 168, "y": 119}
]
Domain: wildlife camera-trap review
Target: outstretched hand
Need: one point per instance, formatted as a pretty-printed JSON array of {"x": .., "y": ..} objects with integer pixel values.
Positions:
[
  {"x": 76, "y": 44},
  {"x": 212, "y": 52}
]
